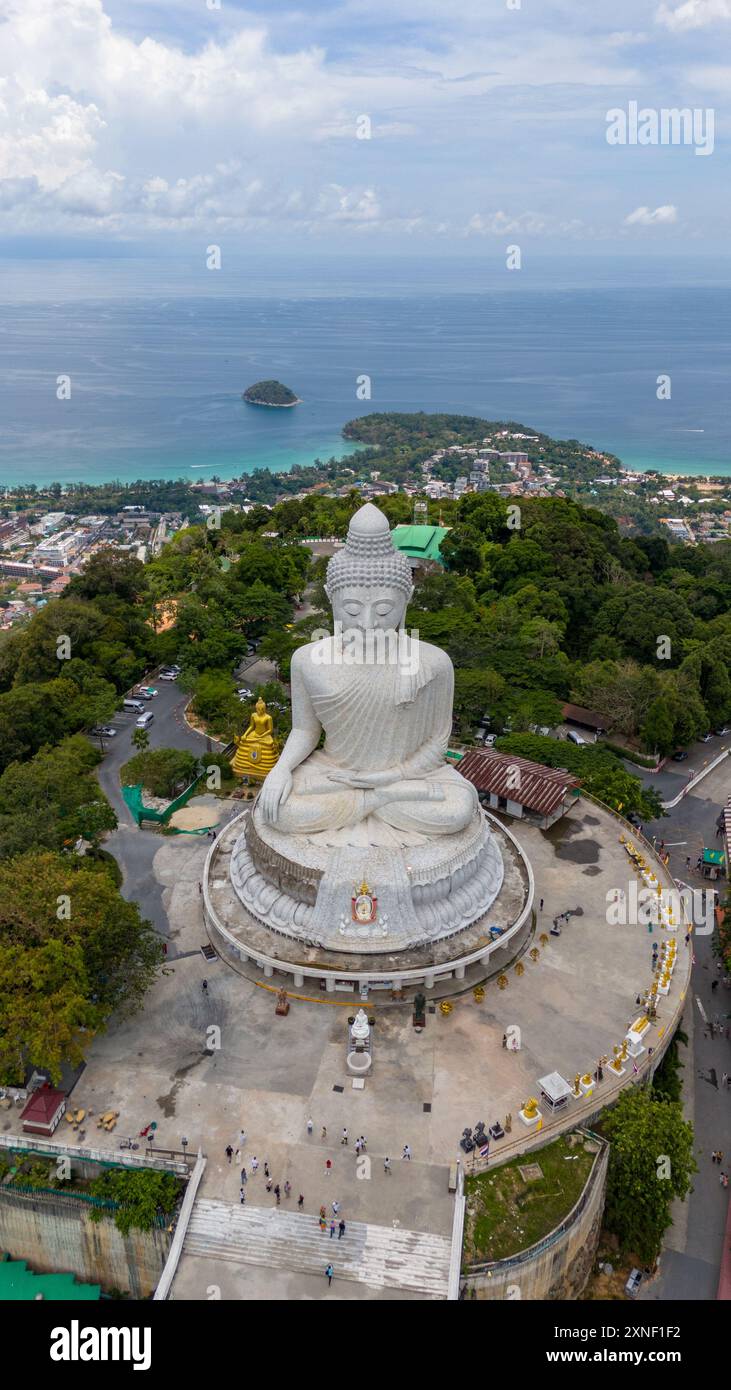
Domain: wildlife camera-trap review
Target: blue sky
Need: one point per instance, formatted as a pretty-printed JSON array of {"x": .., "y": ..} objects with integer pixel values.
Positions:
[{"x": 169, "y": 124}]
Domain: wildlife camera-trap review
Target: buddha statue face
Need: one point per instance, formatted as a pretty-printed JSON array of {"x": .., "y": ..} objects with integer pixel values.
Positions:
[{"x": 369, "y": 607}]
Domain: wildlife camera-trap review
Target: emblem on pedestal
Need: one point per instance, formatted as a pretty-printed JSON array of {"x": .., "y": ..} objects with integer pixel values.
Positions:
[{"x": 363, "y": 904}]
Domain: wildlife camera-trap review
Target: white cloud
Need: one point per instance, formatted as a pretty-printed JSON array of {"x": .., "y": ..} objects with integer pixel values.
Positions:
[
  {"x": 693, "y": 14},
  {"x": 525, "y": 223},
  {"x": 642, "y": 217}
]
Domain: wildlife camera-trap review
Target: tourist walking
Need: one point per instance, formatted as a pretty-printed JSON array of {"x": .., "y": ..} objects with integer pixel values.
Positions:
[
  {"x": 336, "y": 1208},
  {"x": 278, "y": 1194},
  {"x": 324, "y": 1132},
  {"x": 363, "y": 1143},
  {"x": 329, "y": 1275},
  {"x": 301, "y": 1200},
  {"x": 287, "y": 1189},
  {"x": 328, "y": 1167},
  {"x": 332, "y": 1229},
  {"x": 387, "y": 1165},
  {"x": 229, "y": 1152},
  {"x": 242, "y": 1138},
  {"x": 309, "y": 1125},
  {"x": 242, "y": 1195},
  {"x": 407, "y": 1151},
  {"x": 254, "y": 1163},
  {"x": 269, "y": 1184},
  {"x": 244, "y": 1176},
  {"x": 341, "y": 1229},
  {"x": 204, "y": 986},
  {"x": 344, "y": 1139},
  {"x": 540, "y": 909},
  {"x": 266, "y": 1168},
  {"x": 357, "y": 1146}
]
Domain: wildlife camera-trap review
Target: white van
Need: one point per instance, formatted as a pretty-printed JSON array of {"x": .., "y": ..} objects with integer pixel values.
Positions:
[
  {"x": 145, "y": 720},
  {"x": 135, "y": 705},
  {"x": 572, "y": 736}
]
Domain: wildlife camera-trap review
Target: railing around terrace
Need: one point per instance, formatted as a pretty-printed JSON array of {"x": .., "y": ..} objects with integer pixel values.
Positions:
[
  {"x": 609, "y": 1089},
  {"x": 531, "y": 1251}
]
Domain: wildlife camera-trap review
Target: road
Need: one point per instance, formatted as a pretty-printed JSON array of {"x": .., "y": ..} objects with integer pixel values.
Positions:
[
  {"x": 135, "y": 849},
  {"x": 674, "y": 776},
  {"x": 691, "y": 1260}
]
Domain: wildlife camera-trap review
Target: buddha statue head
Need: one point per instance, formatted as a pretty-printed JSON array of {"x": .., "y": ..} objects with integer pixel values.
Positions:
[{"x": 369, "y": 581}]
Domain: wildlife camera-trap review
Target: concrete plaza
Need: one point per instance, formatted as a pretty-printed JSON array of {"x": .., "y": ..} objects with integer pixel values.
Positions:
[{"x": 269, "y": 1074}]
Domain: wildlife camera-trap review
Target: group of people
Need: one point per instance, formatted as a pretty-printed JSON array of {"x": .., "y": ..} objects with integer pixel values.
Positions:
[
  {"x": 717, "y": 1157},
  {"x": 270, "y": 1185},
  {"x": 360, "y": 1146}
]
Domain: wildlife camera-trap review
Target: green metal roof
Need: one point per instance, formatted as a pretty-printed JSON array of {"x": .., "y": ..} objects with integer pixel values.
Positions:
[
  {"x": 420, "y": 542},
  {"x": 18, "y": 1284}
]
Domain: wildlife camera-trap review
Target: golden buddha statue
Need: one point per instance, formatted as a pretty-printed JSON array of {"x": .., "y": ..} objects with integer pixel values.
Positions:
[{"x": 256, "y": 749}]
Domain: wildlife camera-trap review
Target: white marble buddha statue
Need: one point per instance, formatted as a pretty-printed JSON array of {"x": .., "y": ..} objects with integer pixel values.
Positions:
[{"x": 384, "y": 702}]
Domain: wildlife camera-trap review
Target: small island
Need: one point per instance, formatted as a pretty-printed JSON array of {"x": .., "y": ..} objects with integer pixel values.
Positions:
[{"x": 271, "y": 393}]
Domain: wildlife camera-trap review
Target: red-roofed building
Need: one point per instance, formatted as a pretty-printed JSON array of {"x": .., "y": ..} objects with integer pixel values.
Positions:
[
  {"x": 43, "y": 1111},
  {"x": 519, "y": 787}
]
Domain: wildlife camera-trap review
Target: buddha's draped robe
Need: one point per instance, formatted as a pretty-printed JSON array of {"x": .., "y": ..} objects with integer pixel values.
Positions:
[{"x": 377, "y": 716}]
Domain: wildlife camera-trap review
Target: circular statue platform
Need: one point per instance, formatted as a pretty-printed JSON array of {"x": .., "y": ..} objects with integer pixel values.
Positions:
[{"x": 370, "y": 915}]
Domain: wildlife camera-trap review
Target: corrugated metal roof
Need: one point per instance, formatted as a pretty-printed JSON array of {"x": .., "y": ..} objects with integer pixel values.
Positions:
[
  {"x": 538, "y": 788},
  {"x": 420, "y": 542},
  {"x": 580, "y": 715}
]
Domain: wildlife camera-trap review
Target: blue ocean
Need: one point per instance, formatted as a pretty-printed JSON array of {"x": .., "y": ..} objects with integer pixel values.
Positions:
[{"x": 159, "y": 353}]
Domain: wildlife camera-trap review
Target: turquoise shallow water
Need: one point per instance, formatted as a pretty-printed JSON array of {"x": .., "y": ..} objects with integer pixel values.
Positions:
[{"x": 157, "y": 367}]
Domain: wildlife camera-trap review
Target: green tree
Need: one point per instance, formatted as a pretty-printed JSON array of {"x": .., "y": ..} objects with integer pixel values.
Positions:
[
  {"x": 142, "y": 1196},
  {"x": 650, "y": 1164},
  {"x": 658, "y": 730},
  {"x": 161, "y": 771},
  {"x": 72, "y": 952}
]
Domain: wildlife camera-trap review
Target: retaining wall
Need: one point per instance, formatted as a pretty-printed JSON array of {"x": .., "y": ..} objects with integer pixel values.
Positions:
[
  {"x": 556, "y": 1268},
  {"x": 55, "y": 1235}
]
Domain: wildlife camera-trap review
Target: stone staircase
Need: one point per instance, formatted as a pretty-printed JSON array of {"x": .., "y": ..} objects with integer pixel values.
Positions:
[{"x": 383, "y": 1256}]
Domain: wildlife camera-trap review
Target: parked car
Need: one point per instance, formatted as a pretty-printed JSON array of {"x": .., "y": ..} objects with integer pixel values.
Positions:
[
  {"x": 706, "y": 738},
  {"x": 680, "y": 756},
  {"x": 135, "y": 706},
  {"x": 720, "y": 733},
  {"x": 244, "y": 693},
  {"x": 146, "y": 692},
  {"x": 573, "y": 737},
  {"x": 145, "y": 720},
  {"x": 103, "y": 731},
  {"x": 167, "y": 676}
]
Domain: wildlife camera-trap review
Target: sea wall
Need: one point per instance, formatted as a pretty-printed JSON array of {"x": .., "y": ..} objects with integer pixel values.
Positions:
[
  {"x": 556, "y": 1268},
  {"x": 55, "y": 1235}
]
